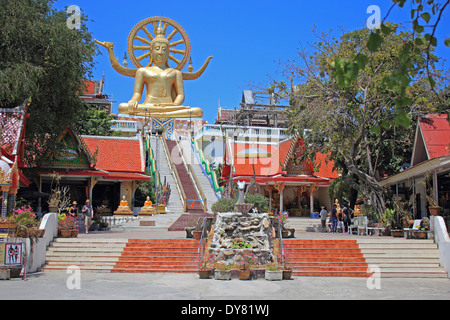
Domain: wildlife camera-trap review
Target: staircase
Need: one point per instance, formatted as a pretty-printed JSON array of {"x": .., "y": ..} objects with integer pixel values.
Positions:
[
  {"x": 403, "y": 258},
  {"x": 158, "y": 255},
  {"x": 193, "y": 203},
  {"x": 326, "y": 258},
  {"x": 87, "y": 254},
  {"x": 123, "y": 255},
  {"x": 395, "y": 258},
  {"x": 162, "y": 164}
]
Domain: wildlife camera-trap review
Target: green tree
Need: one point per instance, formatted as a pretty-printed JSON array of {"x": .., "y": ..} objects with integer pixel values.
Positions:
[
  {"x": 355, "y": 117},
  {"x": 92, "y": 121},
  {"x": 41, "y": 58}
]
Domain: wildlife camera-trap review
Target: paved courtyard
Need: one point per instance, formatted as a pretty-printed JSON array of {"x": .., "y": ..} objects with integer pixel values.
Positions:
[
  {"x": 187, "y": 287},
  {"x": 172, "y": 286}
]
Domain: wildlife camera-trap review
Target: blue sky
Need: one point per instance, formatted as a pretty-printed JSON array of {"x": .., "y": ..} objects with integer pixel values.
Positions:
[{"x": 247, "y": 39}]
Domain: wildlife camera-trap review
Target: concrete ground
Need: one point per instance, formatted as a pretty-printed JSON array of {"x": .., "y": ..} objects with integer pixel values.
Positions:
[
  {"x": 187, "y": 287},
  {"x": 172, "y": 286}
]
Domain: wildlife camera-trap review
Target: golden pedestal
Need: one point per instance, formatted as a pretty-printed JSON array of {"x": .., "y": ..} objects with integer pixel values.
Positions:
[
  {"x": 148, "y": 209},
  {"x": 161, "y": 208}
]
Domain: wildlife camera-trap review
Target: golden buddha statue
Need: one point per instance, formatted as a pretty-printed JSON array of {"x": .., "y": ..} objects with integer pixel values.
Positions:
[
  {"x": 123, "y": 209},
  {"x": 165, "y": 89},
  {"x": 148, "y": 208}
]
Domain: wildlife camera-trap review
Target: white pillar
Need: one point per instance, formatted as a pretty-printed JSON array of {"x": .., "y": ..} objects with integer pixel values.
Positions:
[{"x": 311, "y": 200}]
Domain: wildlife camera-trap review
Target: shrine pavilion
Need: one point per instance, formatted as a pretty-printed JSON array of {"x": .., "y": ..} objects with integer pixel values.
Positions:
[
  {"x": 279, "y": 170},
  {"x": 12, "y": 130}
]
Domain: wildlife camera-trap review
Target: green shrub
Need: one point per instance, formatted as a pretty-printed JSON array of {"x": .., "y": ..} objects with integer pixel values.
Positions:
[
  {"x": 259, "y": 201},
  {"x": 224, "y": 205}
]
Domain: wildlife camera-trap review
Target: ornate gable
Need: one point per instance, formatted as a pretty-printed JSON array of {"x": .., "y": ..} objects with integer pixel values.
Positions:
[
  {"x": 297, "y": 161},
  {"x": 71, "y": 152}
]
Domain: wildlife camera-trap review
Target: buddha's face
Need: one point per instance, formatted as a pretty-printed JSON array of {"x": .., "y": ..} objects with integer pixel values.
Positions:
[{"x": 160, "y": 52}]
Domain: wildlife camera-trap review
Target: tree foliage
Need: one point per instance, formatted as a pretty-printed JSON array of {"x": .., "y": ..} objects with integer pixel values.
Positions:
[
  {"x": 353, "y": 108},
  {"x": 42, "y": 59},
  {"x": 92, "y": 121}
]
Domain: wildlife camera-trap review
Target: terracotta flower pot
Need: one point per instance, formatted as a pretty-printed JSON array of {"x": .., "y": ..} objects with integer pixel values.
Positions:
[
  {"x": 287, "y": 274},
  {"x": 397, "y": 233},
  {"x": 434, "y": 211},
  {"x": 66, "y": 233},
  {"x": 197, "y": 234},
  {"x": 204, "y": 274},
  {"x": 244, "y": 274}
]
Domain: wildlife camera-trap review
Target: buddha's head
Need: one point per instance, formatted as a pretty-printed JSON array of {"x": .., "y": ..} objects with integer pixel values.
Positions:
[{"x": 160, "y": 47}]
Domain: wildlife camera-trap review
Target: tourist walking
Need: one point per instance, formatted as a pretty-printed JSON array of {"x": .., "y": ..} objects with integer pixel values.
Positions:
[
  {"x": 88, "y": 213},
  {"x": 341, "y": 221},
  {"x": 347, "y": 217},
  {"x": 74, "y": 210},
  {"x": 333, "y": 219},
  {"x": 323, "y": 218}
]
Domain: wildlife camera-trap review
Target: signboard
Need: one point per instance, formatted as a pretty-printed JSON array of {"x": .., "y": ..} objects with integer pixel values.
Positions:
[{"x": 11, "y": 254}]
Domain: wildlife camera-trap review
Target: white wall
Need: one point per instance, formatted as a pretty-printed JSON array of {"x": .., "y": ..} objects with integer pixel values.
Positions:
[
  {"x": 36, "y": 259},
  {"x": 442, "y": 239}
]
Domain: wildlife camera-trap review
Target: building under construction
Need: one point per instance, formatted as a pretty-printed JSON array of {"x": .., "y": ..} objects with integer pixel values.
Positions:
[{"x": 258, "y": 108}]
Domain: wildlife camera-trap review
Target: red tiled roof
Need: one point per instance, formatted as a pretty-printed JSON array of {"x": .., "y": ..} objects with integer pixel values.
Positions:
[
  {"x": 11, "y": 125},
  {"x": 436, "y": 134},
  {"x": 266, "y": 160},
  {"x": 325, "y": 167},
  {"x": 117, "y": 154},
  {"x": 90, "y": 87}
]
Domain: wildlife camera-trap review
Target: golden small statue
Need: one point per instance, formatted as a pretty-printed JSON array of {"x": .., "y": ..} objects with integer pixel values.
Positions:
[
  {"x": 147, "y": 209},
  {"x": 165, "y": 89},
  {"x": 123, "y": 209}
]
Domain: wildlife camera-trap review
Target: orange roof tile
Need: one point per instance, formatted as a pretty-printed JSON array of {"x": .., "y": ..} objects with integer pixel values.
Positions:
[
  {"x": 117, "y": 154},
  {"x": 324, "y": 167},
  {"x": 264, "y": 160}
]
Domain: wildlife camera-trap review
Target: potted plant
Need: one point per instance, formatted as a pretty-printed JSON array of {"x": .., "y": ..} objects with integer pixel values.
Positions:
[
  {"x": 397, "y": 228},
  {"x": 245, "y": 258},
  {"x": 386, "y": 221},
  {"x": 25, "y": 221},
  {"x": 222, "y": 271},
  {"x": 64, "y": 226},
  {"x": 273, "y": 272},
  {"x": 206, "y": 265},
  {"x": 433, "y": 205},
  {"x": 421, "y": 233},
  {"x": 287, "y": 254}
]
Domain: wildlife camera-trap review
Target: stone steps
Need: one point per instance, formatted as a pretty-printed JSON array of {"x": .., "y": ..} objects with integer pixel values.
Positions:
[
  {"x": 401, "y": 258},
  {"x": 152, "y": 255},
  {"x": 123, "y": 255}
]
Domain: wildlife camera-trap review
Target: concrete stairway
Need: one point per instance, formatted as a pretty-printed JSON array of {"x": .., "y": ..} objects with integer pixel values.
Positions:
[
  {"x": 403, "y": 258},
  {"x": 123, "y": 255},
  {"x": 326, "y": 258},
  {"x": 394, "y": 258},
  {"x": 304, "y": 224},
  {"x": 87, "y": 254},
  {"x": 205, "y": 184},
  {"x": 162, "y": 164}
]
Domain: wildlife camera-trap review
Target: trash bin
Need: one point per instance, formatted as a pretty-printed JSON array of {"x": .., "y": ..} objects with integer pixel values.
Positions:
[{"x": 314, "y": 215}]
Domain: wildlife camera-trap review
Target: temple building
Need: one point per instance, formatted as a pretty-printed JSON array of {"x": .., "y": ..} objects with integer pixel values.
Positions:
[
  {"x": 280, "y": 171},
  {"x": 101, "y": 168},
  {"x": 431, "y": 155},
  {"x": 12, "y": 131}
]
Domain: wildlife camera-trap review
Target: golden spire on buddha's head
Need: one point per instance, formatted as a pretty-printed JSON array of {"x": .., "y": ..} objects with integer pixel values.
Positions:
[{"x": 160, "y": 35}]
